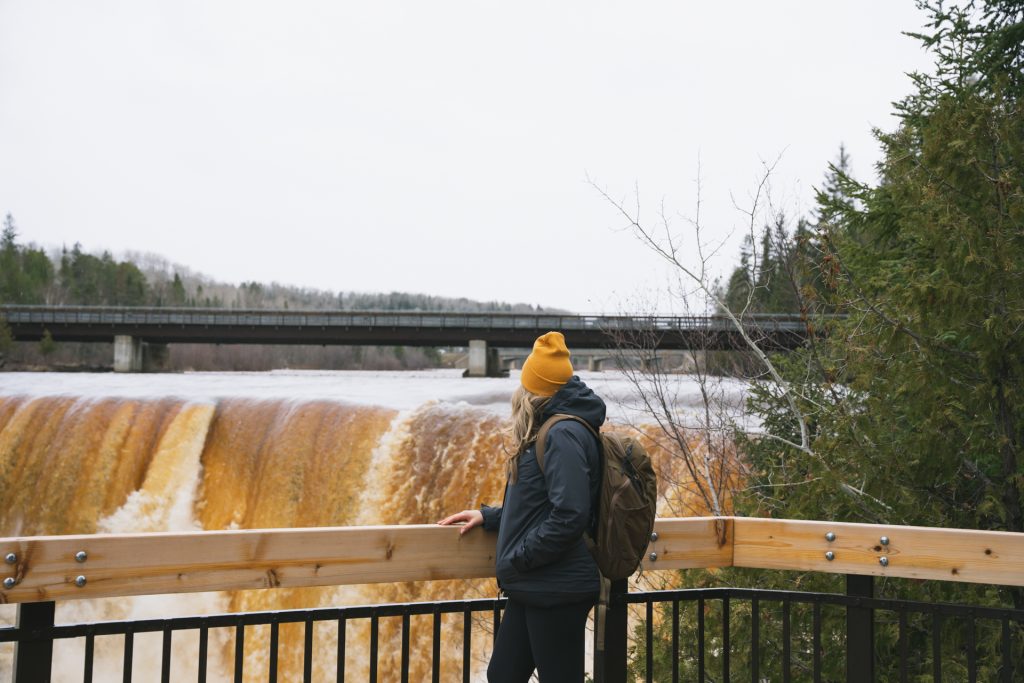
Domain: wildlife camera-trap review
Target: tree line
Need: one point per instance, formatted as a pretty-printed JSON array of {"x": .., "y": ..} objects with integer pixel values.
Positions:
[
  {"x": 31, "y": 275},
  {"x": 781, "y": 273}
]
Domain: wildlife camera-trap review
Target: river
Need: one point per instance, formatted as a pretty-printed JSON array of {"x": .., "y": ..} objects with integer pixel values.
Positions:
[{"x": 111, "y": 453}]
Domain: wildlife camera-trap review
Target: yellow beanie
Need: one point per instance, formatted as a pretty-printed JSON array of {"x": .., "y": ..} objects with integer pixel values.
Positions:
[{"x": 547, "y": 368}]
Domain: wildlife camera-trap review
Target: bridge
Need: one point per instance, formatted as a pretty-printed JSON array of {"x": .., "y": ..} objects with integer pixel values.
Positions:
[{"x": 130, "y": 327}]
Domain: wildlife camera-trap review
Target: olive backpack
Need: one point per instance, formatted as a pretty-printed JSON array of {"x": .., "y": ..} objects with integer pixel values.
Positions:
[{"x": 626, "y": 501}]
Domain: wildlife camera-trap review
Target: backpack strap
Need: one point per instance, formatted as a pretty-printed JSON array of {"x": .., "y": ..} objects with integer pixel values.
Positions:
[
  {"x": 588, "y": 536},
  {"x": 601, "y": 614},
  {"x": 542, "y": 435}
]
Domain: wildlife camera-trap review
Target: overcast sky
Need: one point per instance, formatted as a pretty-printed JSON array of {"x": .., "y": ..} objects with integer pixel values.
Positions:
[{"x": 435, "y": 147}]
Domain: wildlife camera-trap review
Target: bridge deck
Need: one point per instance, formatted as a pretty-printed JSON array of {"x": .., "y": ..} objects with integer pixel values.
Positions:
[{"x": 407, "y": 328}]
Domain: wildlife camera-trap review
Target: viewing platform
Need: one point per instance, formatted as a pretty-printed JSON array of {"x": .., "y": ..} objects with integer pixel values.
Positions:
[{"x": 739, "y": 630}]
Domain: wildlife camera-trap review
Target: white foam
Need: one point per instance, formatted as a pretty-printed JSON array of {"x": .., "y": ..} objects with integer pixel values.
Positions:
[{"x": 401, "y": 390}]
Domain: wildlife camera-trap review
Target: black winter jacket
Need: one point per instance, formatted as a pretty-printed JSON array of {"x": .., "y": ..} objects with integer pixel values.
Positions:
[{"x": 542, "y": 558}]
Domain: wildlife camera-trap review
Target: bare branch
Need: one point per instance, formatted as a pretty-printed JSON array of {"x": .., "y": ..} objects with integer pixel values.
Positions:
[{"x": 699, "y": 277}]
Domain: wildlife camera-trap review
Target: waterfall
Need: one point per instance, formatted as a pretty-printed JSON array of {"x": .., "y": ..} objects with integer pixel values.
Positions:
[
  {"x": 82, "y": 465},
  {"x": 77, "y": 465}
]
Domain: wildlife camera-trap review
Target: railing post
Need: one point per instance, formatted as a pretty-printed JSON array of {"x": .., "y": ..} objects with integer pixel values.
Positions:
[
  {"x": 860, "y": 632},
  {"x": 33, "y": 659},
  {"x": 610, "y": 639}
]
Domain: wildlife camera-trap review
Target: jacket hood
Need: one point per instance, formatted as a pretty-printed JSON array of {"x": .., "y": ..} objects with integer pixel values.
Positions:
[{"x": 576, "y": 398}]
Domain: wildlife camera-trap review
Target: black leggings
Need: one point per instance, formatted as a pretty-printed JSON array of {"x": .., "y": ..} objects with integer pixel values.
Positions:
[{"x": 550, "y": 639}]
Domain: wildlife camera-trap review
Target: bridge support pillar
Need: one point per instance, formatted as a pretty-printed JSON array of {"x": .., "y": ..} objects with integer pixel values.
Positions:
[
  {"x": 127, "y": 353},
  {"x": 594, "y": 364},
  {"x": 483, "y": 361}
]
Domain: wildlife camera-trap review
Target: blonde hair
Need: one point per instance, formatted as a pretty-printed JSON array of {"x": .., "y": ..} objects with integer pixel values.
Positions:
[{"x": 527, "y": 409}]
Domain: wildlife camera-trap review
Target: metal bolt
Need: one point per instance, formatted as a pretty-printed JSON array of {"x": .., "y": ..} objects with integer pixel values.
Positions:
[
  {"x": 653, "y": 557},
  {"x": 830, "y": 556},
  {"x": 884, "y": 540},
  {"x": 9, "y": 583},
  {"x": 80, "y": 581},
  {"x": 830, "y": 536},
  {"x": 884, "y": 561},
  {"x": 654, "y": 536},
  {"x": 81, "y": 556},
  {"x": 10, "y": 558}
]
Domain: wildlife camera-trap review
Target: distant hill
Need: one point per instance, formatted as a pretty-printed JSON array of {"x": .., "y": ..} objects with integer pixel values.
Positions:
[{"x": 31, "y": 275}]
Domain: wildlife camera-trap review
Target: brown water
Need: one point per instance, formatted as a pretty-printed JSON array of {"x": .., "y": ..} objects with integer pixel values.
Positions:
[{"x": 86, "y": 465}]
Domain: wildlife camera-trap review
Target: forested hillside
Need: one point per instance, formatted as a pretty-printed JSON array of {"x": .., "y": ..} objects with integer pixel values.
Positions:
[{"x": 31, "y": 275}]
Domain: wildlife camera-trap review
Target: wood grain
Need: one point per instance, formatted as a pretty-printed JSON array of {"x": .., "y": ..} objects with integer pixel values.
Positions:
[
  {"x": 145, "y": 564},
  {"x": 690, "y": 543},
  {"x": 913, "y": 552},
  {"x": 158, "y": 563}
]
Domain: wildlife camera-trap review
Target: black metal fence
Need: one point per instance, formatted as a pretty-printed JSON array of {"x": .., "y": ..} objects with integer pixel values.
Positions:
[
  {"x": 715, "y": 634},
  {"x": 774, "y": 635},
  {"x": 36, "y": 632}
]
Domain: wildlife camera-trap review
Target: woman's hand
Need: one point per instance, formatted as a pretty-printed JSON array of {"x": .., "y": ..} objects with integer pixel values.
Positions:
[{"x": 471, "y": 518}]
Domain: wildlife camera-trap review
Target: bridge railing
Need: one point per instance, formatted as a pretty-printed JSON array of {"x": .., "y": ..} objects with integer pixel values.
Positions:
[
  {"x": 37, "y": 571},
  {"x": 98, "y": 315}
]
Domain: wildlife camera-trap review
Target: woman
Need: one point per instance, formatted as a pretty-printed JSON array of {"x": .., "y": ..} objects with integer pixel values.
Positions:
[{"x": 543, "y": 564}]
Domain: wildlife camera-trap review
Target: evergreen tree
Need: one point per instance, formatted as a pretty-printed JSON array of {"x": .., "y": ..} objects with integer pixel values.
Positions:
[
  {"x": 26, "y": 273},
  {"x": 10, "y": 267},
  {"x": 130, "y": 286},
  {"x": 47, "y": 345},
  {"x": 833, "y": 196},
  {"x": 8, "y": 240},
  {"x": 918, "y": 395},
  {"x": 6, "y": 339},
  {"x": 37, "y": 275},
  {"x": 914, "y": 401},
  {"x": 767, "y": 282},
  {"x": 178, "y": 294},
  {"x": 741, "y": 282}
]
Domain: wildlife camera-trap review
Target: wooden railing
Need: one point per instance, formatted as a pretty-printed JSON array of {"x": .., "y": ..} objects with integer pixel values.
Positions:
[{"x": 47, "y": 568}]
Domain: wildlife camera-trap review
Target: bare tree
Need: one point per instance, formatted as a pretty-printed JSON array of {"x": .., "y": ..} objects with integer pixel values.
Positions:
[
  {"x": 667, "y": 243},
  {"x": 702, "y": 437},
  {"x": 693, "y": 421}
]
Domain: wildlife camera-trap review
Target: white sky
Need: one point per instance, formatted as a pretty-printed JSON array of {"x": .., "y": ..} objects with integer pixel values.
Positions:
[{"x": 435, "y": 147}]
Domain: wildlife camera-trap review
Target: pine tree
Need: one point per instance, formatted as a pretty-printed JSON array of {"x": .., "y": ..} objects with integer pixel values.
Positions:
[
  {"x": 6, "y": 339},
  {"x": 915, "y": 402},
  {"x": 741, "y": 282},
  {"x": 178, "y": 294},
  {"x": 918, "y": 396},
  {"x": 10, "y": 268},
  {"x": 8, "y": 240},
  {"x": 47, "y": 345}
]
